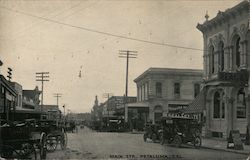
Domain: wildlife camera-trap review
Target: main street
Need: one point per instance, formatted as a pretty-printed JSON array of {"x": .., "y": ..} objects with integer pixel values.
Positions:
[{"x": 88, "y": 144}]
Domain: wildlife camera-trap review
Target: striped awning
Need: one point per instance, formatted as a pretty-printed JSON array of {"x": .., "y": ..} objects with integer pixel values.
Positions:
[{"x": 198, "y": 104}]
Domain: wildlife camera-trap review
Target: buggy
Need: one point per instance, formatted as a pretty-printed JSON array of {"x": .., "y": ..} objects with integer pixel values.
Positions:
[{"x": 20, "y": 140}]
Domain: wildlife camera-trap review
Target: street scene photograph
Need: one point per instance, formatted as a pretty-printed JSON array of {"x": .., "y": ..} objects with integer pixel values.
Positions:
[{"x": 125, "y": 79}]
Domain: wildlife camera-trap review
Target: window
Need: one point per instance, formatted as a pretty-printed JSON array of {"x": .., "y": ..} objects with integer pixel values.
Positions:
[
  {"x": 241, "y": 104},
  {"x": 211, "y": 60},
  {"x": 237, "y": 52},
  {"x": 196, "y": 89},
  {"x": 217, "y": 105},
  {"x": 177, "y": 89},
  {"x": 158, "y": 89},
  {"x": 221, "y": 56}
]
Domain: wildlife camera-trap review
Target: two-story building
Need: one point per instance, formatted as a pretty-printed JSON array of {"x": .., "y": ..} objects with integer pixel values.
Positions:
[
  {"x": 161, "y": 91},
  {"x": 226, "y": 70}
]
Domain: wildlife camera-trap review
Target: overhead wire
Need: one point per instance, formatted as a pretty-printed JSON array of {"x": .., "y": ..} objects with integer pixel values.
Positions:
[
  {"x": 101, "y": 32},
  {"x": 22, "y": 33}
]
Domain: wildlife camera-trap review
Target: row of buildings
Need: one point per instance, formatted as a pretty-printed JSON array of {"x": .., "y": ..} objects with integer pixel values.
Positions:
[
  {"x": 218, "y": 95},
  {"x": 17, "y": 104},
  {"x": 159, "y": 91}
]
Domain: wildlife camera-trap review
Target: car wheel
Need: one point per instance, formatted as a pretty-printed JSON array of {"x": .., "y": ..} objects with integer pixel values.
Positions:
[
  {"x": 177, "y": 141},
  {"x": 154, "y": 137},
  {"x": 197, "y": 142}
]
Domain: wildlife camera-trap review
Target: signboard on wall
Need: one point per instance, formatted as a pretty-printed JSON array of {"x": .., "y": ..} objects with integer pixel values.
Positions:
[{"x": 176, "y": 108}]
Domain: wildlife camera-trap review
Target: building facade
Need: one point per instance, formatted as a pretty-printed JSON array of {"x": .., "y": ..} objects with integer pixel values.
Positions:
[
  {"x": 8, "y": 99},
  {"x": 161, "y": 91},
  {"x": 226, "y": 67}
]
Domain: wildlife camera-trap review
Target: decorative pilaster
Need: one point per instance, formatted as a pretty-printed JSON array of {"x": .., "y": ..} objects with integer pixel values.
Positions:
[
  {"x": 230, "y": 58},
  {"x": 216, "y": 61},
  {"x": 226, "y": 58}
]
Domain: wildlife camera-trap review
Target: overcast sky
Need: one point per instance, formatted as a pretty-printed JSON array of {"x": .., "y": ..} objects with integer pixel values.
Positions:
[{"x": 32, "y": 40}]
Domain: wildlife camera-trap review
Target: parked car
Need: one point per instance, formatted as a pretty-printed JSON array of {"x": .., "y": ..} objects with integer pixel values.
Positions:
[
  {"x": 179, "y": 130},
  {"x": 152, "y": 131}
]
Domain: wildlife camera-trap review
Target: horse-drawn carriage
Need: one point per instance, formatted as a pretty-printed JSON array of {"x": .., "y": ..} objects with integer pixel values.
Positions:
[
  {"x": 21, "y": 139},
  {"x": 55, "y": 134}
]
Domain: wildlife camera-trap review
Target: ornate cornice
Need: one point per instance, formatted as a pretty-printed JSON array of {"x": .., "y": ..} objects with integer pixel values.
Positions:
[{"x": 223, "y": 17}]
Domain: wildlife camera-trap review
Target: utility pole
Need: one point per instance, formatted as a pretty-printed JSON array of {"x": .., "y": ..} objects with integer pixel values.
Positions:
[
  {"x": 57, "y": 95},
  {"x": 9, "y": 73},
  {"x": 127, "y": 54},
  {"x": 108, "y": 95},
  {"x": 43, "y": 77}
]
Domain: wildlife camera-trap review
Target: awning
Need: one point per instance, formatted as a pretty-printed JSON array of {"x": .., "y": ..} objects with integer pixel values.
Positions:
[{"x": 198, "y": 104}]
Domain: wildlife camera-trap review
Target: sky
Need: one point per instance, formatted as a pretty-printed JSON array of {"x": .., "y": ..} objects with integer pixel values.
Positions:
[{"x": 56, "y": 36}]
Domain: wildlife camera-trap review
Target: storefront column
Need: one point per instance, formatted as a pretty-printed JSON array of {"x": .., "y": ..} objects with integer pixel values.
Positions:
[
  {"x": 126, "y": 113},
  {"x": 208, "y": 118}
]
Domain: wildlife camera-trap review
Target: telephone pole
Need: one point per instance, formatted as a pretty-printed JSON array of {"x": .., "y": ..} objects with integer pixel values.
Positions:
[
  {"x": 127, "y": 54},
  {"x": 43, "y": 77},
  {"x": 57, "y": 95},
  {"x": 108, "y": 95}
]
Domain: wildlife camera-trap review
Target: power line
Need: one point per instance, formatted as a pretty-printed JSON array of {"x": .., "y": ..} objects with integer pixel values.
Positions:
[{"x": 101, "y": 32}]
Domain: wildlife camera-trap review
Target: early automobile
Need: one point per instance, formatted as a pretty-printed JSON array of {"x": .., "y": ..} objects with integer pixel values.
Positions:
[
  {"x": 180, "y": 129},
  {"x": 152, "y": 131}
]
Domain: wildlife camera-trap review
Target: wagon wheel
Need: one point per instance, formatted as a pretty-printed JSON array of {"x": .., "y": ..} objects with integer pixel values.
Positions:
[
  {"x": 154, "y": 137},
  {"x": 177, "y": 141},
  {"x": 63, "y": 140},
  {"x": 26, "y": 151},
  {"x": 51, "y": 143},
  {"x": 197, "y": 142},
  {"x": 7, "y": 151},
  {"x": 43, "y": 146}
]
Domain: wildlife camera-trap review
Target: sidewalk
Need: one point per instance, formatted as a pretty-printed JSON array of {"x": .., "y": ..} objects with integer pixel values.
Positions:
[{"x": 219, "y": 144}]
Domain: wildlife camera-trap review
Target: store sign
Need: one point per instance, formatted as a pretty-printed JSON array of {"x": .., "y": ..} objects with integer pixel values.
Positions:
[{"x": 176, "y": 107}]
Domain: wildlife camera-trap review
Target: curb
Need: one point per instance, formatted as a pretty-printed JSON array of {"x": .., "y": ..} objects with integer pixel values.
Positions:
[{"x": 226, "y": 150}]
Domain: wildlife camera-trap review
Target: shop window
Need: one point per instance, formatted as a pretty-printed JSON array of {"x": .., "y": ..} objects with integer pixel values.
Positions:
[
  {"x": 196, "y": 89},
  {"x": 177, "y": 89},
  {"x": 216, "y": 105},
  {"x": 158, "y": 89},
  {"x": 241, "y": 104}
]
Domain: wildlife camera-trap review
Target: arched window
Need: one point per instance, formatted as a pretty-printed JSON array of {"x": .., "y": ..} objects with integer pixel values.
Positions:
[
  {"x": 211, "y": 60},
  {"x": 241, "y": 104},
  {"x": 237, "y": 52},
  {"x": 221, "y": 56},
  {"x": 217, "y": 105}
]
